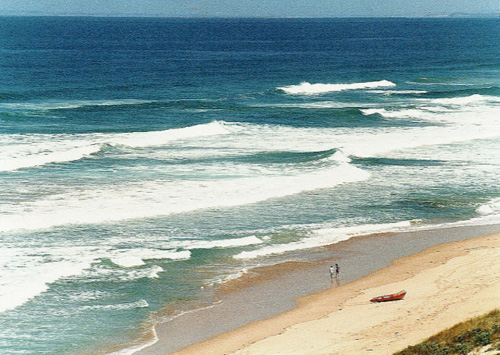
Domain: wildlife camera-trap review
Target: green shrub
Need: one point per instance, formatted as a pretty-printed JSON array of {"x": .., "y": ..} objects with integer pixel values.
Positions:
[
  {"x": 462, "y": 338},
  {"x": 462, "y": 349},
  {"x": 483, "y": 338}
]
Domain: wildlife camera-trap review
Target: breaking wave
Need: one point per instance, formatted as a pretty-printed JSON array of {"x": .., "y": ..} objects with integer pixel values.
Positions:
[
  {"x": 306, "y": 88},
  {"x": 21, "y": 284},
  {"x": 20, "y": 152},
  {"x": 490, "y": 208},
  {"x": 159, "y": 198}
]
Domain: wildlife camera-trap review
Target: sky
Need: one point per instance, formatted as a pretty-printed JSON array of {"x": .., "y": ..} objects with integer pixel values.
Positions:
[{"x": 249, "y": 8}]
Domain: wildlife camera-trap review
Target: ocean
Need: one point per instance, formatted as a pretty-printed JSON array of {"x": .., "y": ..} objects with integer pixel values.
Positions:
[{"x": 146, "y": 160}]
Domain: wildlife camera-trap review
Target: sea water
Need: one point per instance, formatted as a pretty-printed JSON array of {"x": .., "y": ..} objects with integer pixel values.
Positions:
[{"x": 142, "y": 160}]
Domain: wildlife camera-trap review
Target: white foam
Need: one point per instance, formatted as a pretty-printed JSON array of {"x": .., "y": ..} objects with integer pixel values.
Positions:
[
  {"x": 157, "y": 198},
  {"x": 228, "y": 184},
  {"x": 28, "y": 272},
  {"x": 226, "y": 278},
  {"x": 120, "y": 306},
  {"x": 157, "y": 138},
  {"x": 232, "y": 185},
  {"x": 154, "y": 272},
  {"x": 462, "y": 124},
  {"x": 40, "y": 159},
  {"x": 135, "y": 257},
  {"x": 306, "y": 88},
  {"x": 399, "y": 92},
  {"x": 136, "y": 348},
  {"x": 85, "y": 296},
  {"x": 128, "y": 261},
  {"x": 490, "y": 208},
  {"x": 20, "y": 284},
  {"x": 340, "y": 157},
  {"x": 406, "y": 113},
  {"x": 324, "y": 236},
  {"x": 332, "y": 235},
  {"x": 124, "y": 274},
  {"x": 467, "y": 100},
  {"x": 37, "y": 150},
  {"x": 221, "y": 243},
  {"x": 472, "y": 109},
  {"x": 448, "y": 125}
]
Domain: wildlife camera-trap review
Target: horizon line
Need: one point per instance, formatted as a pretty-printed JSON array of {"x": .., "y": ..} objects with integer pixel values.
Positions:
[{"x": 103, "y": 15}]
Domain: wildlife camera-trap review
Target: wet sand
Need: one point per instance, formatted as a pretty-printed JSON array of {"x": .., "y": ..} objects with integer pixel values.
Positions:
[{"x": 242, "y": 317}]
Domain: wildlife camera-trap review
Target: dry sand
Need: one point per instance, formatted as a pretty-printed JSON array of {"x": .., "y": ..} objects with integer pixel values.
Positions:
[{"x": 446, "y": 284}]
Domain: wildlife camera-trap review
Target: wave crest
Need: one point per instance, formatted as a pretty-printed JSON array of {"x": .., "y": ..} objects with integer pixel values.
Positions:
[
  {"x": 157, "y": 138},
  {"x": 306, "y": 88},
  {"x": 41, "y": 150},
  {"x": 61, "y": 153}
]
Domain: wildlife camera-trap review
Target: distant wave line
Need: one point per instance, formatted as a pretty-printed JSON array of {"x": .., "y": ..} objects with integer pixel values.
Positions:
[
  {"x": 71, "y": 104},
  {"x": 306, "y": 88}
]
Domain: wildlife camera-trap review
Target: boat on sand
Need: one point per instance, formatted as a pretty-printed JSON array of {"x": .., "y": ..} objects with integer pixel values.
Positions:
[{"x": 390, "y": 297}]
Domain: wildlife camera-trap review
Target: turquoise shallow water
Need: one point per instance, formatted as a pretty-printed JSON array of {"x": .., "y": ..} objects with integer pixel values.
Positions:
[{"x": 144, "y": 159}]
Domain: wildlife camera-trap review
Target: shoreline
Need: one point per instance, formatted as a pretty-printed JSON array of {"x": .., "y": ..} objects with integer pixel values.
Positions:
[
  {"x": 273, "y": 292},
  {"x": 440, "y": 295}
]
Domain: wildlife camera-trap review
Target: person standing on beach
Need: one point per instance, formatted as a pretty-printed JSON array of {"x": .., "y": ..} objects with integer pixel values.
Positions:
[
  {"x": 337, "y": 271},
  {"x": 332, "y": 272}
]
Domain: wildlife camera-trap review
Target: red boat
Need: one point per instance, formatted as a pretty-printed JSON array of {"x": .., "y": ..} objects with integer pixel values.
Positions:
[{"x": 391, "y": 297}]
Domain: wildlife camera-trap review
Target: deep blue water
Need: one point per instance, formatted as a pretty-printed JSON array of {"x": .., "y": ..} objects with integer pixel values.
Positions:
[{"x": 142, "y": 159}]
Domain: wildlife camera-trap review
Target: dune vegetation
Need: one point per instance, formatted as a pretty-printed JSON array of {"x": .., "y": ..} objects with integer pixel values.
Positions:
[{"x": 463, "y": 338}]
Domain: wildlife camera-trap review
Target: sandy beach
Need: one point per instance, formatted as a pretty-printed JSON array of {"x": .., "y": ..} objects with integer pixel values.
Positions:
[{"x": 445, "y": 284}]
